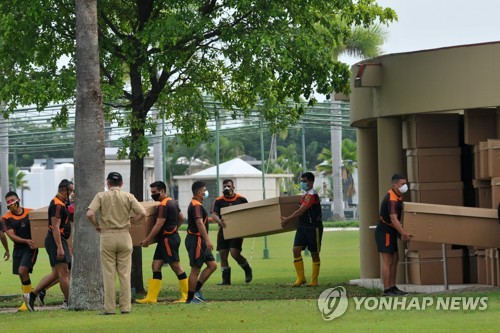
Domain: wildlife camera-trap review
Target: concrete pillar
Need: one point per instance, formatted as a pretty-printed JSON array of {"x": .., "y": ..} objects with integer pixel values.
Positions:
[
  {"x": 159, "y": 173},
  {"x": 390, "y": 161},
  {"x": 368, "y": 201},
  {"x": 4, "y": 160}
]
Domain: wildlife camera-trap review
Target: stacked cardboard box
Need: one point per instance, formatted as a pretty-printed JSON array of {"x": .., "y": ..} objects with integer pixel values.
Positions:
[
  {"x": 433, "y": 158},
  {"x": 438, "y": 193},
  {"x": 473, "y": 266},
  {"x": 479, "y": 125},
  {"x": 492, "y": 267},
  {"x": 495, "y": 191},
  {"x": 482, "y": 189},
  {"x": 497, "y": 264},
  {"x": 487, "y": 173},
  {"x": 431, "y": 131},
  {"x": 483, "y": 160},
  {"x": 426, "y": 266},
  {"x": 433, "y": 163},
  {"x": 481, "y": 265},
  {"x": 481, "y": 128}
]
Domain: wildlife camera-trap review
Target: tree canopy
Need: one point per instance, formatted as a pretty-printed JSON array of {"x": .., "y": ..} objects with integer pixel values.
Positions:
[{"x": 168, "y": 54}]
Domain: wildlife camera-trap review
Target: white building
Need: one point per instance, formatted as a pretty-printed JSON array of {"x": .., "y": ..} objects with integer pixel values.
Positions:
[
  {"x": 44, "y": 176},
  {"x": 247, "y": 182}
]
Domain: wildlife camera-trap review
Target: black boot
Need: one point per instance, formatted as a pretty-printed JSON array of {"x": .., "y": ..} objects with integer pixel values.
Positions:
[
  {"x": 248, "y": 271},
  {"x": 226, "y": 276}
]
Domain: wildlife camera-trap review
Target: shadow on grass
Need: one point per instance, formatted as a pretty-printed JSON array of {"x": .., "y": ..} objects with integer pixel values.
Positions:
[{"x": 257, "y": 292}]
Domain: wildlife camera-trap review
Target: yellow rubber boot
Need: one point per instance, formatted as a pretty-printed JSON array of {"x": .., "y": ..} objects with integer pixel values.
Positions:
[
  {"x": 26, "y": 291},
  {"x": 154, "y": 286},
  {"x": 183, "y": 285},
  {"x": 299, "y": 269},
  {"x": 23, "y": 308},
  {"x": 315, "y": 274}
]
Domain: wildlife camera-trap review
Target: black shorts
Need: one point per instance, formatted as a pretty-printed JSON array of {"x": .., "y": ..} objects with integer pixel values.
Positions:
[
  {"x": 386, "y": 238},
  {"x": 309, "y": 238},
  {"x": 23, "y": 256},
  {"x": 51, "y": 247},
  {"x": 226, "y": 244},
  {"x": 167, "y": 248},
  {"x": 197, "y": 251}
]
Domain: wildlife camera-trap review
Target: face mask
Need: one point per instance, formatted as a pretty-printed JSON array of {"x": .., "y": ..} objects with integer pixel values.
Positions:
[
  {"x": 403, "y": 189},
  {"x": 155, "y": 196},
  {"x": 303, "y": 186},
  {"x": 206, "y": 195},
  {"x": 13, "y": 206},
  {"x": 227, "y": 191}
]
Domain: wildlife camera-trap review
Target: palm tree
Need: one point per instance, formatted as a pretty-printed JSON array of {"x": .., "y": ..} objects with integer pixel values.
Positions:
[
  {"x": 16, "y": 179},
  {"x": 228, "y": 149},
  {"x": 349, "y": 162},
  {"x": 363, "y": 43},
  {"x": 326, "y": 157},
  {"x": 288, "y": 162},
  {"x": 349, "y": 155}
]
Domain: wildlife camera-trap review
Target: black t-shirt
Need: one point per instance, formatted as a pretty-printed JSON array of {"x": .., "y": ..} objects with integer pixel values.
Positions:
[
  {"x": 169, "y": 210},
  {"x": 392, "y": 203},
  {"x": 312, "y": 217},
  {"x": 20, "y": 224},
  {"x": 57, "y": 208},
  {"x": 223, "y": 201},
  {"x": 196, "y": 211}
]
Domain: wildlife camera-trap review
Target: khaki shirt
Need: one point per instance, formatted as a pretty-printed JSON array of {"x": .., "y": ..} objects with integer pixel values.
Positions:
[{"x": 115, "y": 207}]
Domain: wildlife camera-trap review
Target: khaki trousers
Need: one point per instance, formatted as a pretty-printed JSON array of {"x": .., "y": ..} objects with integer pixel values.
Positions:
[{"x": 116, "y": 258}]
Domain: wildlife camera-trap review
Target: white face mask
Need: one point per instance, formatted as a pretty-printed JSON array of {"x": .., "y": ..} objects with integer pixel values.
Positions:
[{"x": 403, "y": 189}]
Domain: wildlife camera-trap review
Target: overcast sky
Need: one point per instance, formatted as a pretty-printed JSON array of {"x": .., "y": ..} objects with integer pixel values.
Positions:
[{"x": 428, "y": 24}]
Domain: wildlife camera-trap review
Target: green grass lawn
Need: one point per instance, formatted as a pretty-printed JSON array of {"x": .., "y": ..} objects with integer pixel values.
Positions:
[{"x": 268, "y": 304}]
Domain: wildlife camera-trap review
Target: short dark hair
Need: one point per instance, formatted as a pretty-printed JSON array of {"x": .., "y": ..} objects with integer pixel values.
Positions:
[
  {"x": 308, "y": 176},
  {"x": 397, "y": 177},
  {"x": 225, "y": 181},
  {"x": 159, "y": 185},
  {"x": 197, "y": 186},
  {"x": 11, "y": 193},
  {"x": 64, "y": 184}
]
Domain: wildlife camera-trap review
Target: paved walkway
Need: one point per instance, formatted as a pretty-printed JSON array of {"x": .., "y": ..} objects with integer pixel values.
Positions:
[
  {"x": 342, "y": 229},
  {"x": 425, "y": 289},
  {"x": 37, "y": 308}
]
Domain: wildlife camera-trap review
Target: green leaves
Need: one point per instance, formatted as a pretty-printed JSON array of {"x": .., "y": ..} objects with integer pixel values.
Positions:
[{"x": 167, "y": 54}]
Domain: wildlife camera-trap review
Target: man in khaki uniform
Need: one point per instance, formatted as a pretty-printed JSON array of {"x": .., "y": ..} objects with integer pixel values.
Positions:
[{"x": 115, "y": 207}]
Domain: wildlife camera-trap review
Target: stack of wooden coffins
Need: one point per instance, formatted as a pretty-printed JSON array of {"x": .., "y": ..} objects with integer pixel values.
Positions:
[
  {"x": 433, "y": 156},
  {"x": 481, "y": 129}
]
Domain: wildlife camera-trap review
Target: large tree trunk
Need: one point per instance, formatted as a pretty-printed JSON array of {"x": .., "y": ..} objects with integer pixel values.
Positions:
[
  {"x": 137, "y": 189},
  {"x": 86, "y": 288}
]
